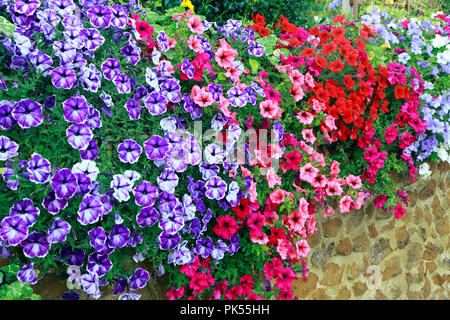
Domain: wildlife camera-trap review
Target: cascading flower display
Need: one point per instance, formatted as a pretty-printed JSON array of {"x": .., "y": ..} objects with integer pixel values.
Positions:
[{"x": 234, "y": 122}]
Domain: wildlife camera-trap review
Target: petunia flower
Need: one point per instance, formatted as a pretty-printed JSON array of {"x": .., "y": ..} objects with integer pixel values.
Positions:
[
  {"x": 111, "y": 68},
  {"x": 168, "y": 180},
  {"x": 63, "y": 78},
  {"x": 90, "y": 210},
  {"x": 93, "y": 38},
  {"x": 99, "y": 264},
  {"x": 58, "y": 231},
  {"x": 100, "y": 16},
  {"x": 145, "y": 194},
  {"x": 25, "y": 210},
  {"x": 35, "y": 245},
  {"x": 156, "y": 103},
  {"x": 97, "y": 238},
  {"x": 122, "y": 187},
  {"x": 129, "y": 151},
  {"x": 79, "y": 136},
  {"x": 168, "y": 241},
  {"x": 119, "y": 236},
  {"x": 90, "y": 283},
  {"x": 13, "y": 230},
  {"x": 156, "y": 147},
  {"x": 28, "y": 113},
  {"x": 53, "y": 204},
  {"x": 147, "y": 217},
  {"x": 215, "y": 188},
  {"x": 39, "y": 169},
  {"x": 26, "y": 274},
  {"x": 6, "y": 118},
  {"x": 64, "y": 183},
  {"x": 139, "y": 279},
  {"x": 8, "y": 148}
]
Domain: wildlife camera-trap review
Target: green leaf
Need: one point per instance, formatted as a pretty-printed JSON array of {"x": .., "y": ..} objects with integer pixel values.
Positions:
[
  {"x": 6, "y": 27},
  {"x": 254, "y": 66}
]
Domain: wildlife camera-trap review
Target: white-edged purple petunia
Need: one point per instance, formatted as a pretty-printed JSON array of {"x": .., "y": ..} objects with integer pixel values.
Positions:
[
  {"x": 28, "y": 113},
  {"x": 129, "y": 151},
  {"x": 97, "y": 238},
  {"x": 93, "y": 38},
  {"x": 64, "y": 183},
  {"x": 156, "y": 103},
  {"x": 63, "y": 78},
  {"x": 76, "y": 109},
  {"x": 171, "y": 223},
  {"x": 111, "y": 68},
  {"x": 90, "y": 210},
  {"x": 145, "y": 194},
  {"x": 39, "y": 169},
  {"x": 25, "y": 210},
  {"x": 84, "y": 183},
  {"x": 156, "y": 147},
  {"x": 168, "y": 241},
  {"x": 88, "y": 167},
  {"x": 58, "y": 231},
  {"x": 6, "y": 118},
  {"x": 118, "y": 236},
  {"x": 100, "y": 16},
  {"x": 168, "y": 180},
  {"x": 90, "y": 283},
  {"x": 99, "y": 264},
  {"x": 139, "y": 279},
  {"x": 26, "y": 274},
  {"x": 147, "y": 217},
  {"x": 122, "y": 187},
  {"x": 122, "y": 83},
  {"x": 215, "y": 188},
  {"x": 8, "y": 148},
  {"x": 52, "y": 204},
  {"x": 13, "y": 230},
  {"x": 79, "y": 136},
  {"x": 35, "y": 245},
  {"x": 119, "y": 17}
]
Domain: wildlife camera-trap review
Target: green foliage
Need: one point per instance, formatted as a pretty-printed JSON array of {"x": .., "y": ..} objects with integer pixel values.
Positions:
[{"x": 13, "y": 289}]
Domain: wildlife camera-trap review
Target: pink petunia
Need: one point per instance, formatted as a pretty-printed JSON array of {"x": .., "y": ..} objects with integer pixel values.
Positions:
[
  {"x": 196, "y": 25},
  {"x": 345, "y": 204}
]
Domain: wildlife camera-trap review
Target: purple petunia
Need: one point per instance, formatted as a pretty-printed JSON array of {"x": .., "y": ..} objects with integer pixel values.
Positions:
[
  {"x": 139, "y": 279},
  {"x": 64, "y": 183},
  {"x": 90, "y": 210},
  {"x": 39, "y": 169},
  {"x": 215, "y": 188},
  {"x": 168, "y": 241},
  {"x": 204, "y": 247},
  {"x": 129, "y": 151},
  {"x": 13, "y": 230},
  {"x": 122, "y": 83},
  {"x": 171, "y": 90},
  {"x": 134, "y": 109},
  {"x": 84, "y": 183},
  {"x": 100, "y": 16},
  {"x": 119, "y": 236},
  {"x": 147, "y": 217},
  {"x": 171, "y": 223},
  {"x": 42, "y": 62},
  {"x": 79, "y": 136},
  {"x": 76, "y": 109},
  {"x": 63, "y": 78},
  {"x": 237, "y": 97},
  {"x": 26, "y": 7},
  {"x": 25, "y": 210},
  {"x": 52, "y": 204},
  {"x": 156, "y": 103},
  {"x": 28, "y": 113},
  {"x": 26, "y": 274},
  {"x": 111, "y": 68},
  {"x": 91, "y": 152},
  {"x": 156, "y": 147},
  {"x": 90, "y": 283},
  {"x": 6, "y": 118},
  {"x": 145, "y": 194},
  {"x": 119, "y": 16},
  {"x": 72, "y": 256},
  {"x": 8, "y": 148},
  {"x": 168, "y": 180},
  {"x": 65, "y": 51},
  {"x": 98, "y": 264},
  {"x": 58, "y": 231},
  {"x": 97, "y": 238},
  {"x": 35, "y": 245},
  {"x": 122, "y": 187},
  {"x": 93, "y": 38}
]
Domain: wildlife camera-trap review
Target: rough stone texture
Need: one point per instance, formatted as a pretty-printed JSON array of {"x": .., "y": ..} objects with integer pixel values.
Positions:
[{"x": 411, "y": 254}]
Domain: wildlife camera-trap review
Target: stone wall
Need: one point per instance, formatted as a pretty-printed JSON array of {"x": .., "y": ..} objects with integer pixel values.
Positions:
[{"x": 410, "y": 255}]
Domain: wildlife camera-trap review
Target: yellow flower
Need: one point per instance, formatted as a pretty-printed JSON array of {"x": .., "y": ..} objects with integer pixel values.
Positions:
[
  {"x": 187, "y": 4},
  {"x": 371, "y": 55},
  {"x": 386, "y": 45}
]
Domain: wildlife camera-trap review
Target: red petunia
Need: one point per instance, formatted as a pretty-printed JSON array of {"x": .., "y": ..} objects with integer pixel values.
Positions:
[
  {"x": 243, "y": 209},
  {"x": 308, "y": 52},
  {"x": 328, "y": 48},
  {"x": 293, "y": 160},
  {"x": 321, "y": 61},
  {"x": 337, "y": 66},
  {"x": 226, "y": 227}
]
